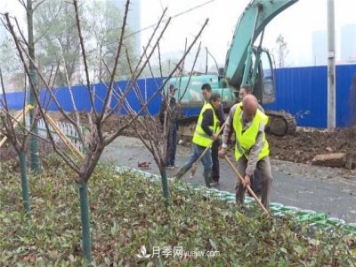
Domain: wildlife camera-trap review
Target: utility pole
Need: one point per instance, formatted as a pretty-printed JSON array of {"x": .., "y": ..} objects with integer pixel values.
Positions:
[
  {"x": 206, "y": 61},
  {"x": 331, "y": 99},
  {"x": 34, "y": 151}
]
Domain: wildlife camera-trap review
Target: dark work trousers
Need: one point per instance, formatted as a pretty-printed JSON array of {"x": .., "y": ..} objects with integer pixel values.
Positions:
[
  {"x": 215, "y": 158},
  {"x": 256, "y": 184},
  {"x": 171, "y": 145},
  {"x": 264, "y": 167}
]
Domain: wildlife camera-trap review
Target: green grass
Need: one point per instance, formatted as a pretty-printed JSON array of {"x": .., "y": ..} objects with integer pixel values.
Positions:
[{"x": 127, "y": 212}]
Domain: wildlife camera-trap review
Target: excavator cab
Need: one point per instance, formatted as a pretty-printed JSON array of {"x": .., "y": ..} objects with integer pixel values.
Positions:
[{"x": 264, "y": 87}]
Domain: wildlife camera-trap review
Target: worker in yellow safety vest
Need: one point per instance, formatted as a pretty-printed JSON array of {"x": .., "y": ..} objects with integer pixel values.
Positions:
[
  {"x": 205, "y": 131},
  {"x": 251, "y": 148},
  {"x": 256, "y": 178},
  {"x": 206, "y": 92}
]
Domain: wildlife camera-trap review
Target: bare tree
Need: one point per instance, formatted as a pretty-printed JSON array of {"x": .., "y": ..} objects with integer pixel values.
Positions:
[
  {"x": 281, "y": 52},
  {"x": 95, "y": 140},
  {"x": 159, "y": 140},
  {"x": 13, "y": 129}
]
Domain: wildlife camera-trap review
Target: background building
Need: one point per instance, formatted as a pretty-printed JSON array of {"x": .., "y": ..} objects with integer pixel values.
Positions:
[{"x": 348, "y": 43}]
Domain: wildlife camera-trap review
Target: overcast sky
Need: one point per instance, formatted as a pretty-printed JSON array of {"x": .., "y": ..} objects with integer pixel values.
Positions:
[{"x": 296, "y": 24}]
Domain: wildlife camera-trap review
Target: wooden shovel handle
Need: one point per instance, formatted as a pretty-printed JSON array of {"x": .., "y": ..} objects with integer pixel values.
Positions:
[
  {"x": 195, "y": 164},
  {"x": 248, "y": 187}
]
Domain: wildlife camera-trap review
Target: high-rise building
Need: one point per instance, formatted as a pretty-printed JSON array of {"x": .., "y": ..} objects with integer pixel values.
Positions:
[
  {"x": 320, "y": 48},
  {"x": 348, "y": 43},
  {"x": 133, "y": 19}
]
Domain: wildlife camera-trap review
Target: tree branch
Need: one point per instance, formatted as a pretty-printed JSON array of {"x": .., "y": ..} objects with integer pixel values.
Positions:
[
  {"x": 118, "y": 132},
  {"x": 193, "y": 66},
  {"x": 118, "y": 52},
  {"x": 128, "y": 87},
  {"x": 22, "y": 2},
  {"x": 40, "y": 3},
  {"x": 50, "y": 25},
  {"x": 22, "y": 36},
  {"x": 77, "y": 125},
  {"x": 20, "y": 50},
  {"x": 92, "y": 101}
]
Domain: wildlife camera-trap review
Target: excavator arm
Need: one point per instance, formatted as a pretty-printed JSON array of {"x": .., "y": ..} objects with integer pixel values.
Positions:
[
  {"x": 245, "y": 64},
  {"x": 241, "y": 69},
  {"x": 252, "y": 22}
]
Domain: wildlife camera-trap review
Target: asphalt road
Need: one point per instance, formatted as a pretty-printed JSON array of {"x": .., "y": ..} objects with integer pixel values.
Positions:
[{"x": 294, "y": 184}]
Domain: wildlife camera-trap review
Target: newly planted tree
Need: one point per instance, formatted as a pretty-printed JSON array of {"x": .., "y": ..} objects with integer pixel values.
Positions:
[
  {"x": 13, "y": 129},
  {"x": 160, "y": 139},
  {"x": 95, "y": 139}
]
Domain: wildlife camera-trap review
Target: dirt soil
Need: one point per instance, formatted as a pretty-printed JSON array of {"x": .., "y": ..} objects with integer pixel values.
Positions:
[
  {"x": 301, "y": 147},
  {"x": 304, "y": 145}
]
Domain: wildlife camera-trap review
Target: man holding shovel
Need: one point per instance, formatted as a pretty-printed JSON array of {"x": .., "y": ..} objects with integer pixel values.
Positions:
[
  {"x": 206, "y": 131},
  {"x": 256, "y": 178},
  {"x": 251, "y": 148},
  {"x": 206, "y": 92}
]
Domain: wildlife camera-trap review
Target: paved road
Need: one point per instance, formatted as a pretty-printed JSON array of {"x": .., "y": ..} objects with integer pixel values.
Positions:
[{"x": 293, "y": 184}]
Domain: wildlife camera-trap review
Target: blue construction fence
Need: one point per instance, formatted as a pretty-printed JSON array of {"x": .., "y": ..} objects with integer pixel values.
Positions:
[
  {"x": 303, "y": 93},
  {"x": 147, "y": 89},
  {"x": 300, "y": 91}
]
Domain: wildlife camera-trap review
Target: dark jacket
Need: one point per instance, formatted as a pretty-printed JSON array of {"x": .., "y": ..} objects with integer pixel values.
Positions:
[
  {"x": 172, "y": 116},
  {"x": 208, "y": 119}
]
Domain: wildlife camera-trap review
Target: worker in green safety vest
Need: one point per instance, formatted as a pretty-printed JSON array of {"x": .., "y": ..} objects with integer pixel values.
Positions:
[
  {"x": 205, "y": 132},
  {"x": 256, "y": 178},
  {"x": 251, "y": 148}
]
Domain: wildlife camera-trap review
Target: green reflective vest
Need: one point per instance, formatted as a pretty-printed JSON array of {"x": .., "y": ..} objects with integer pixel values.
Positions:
[
  {"x": 200, "y": 137},
  {"x": 244, "y": 141}
]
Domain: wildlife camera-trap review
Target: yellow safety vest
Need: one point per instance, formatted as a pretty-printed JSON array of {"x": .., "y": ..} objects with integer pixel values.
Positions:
[
  {"x": 200, "y": 137},
  {"x": 218, "y": 126},
  {"x": 244, "y": 141}
]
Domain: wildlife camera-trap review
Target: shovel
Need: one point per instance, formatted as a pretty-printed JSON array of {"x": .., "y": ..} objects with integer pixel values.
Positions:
[{"x": 248, "y": 187}]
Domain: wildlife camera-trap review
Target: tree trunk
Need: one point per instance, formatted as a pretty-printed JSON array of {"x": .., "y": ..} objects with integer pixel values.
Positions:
[
  {"x": 165, "y": 188},
  {"x": 34, "y": 154},
  {"x": 84, "y": 212},
  {"x": 24, "y": 182}
]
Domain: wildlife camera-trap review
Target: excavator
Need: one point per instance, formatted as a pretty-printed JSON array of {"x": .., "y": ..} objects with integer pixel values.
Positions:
[{"x": 245, "y": 64}]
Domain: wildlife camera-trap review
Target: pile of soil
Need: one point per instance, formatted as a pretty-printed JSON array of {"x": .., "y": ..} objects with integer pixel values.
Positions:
[
  {"x": 304, "y": 145},
  {"x": 114, "y": 122}
]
